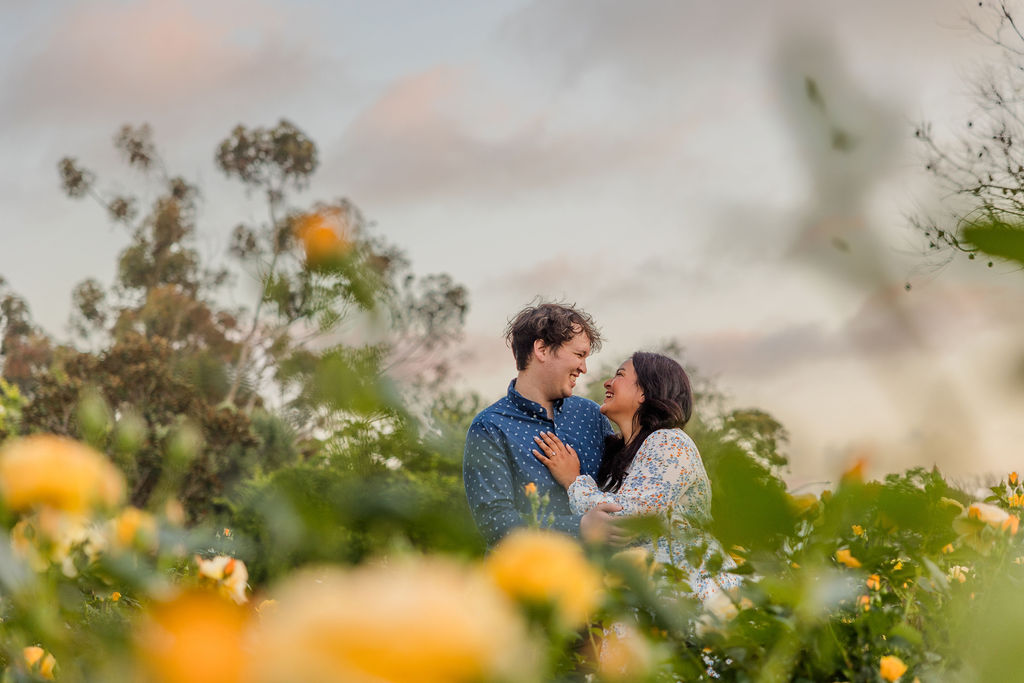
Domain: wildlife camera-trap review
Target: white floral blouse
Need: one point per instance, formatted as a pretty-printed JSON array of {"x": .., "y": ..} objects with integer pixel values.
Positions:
[{"x": 666, "y": 476}]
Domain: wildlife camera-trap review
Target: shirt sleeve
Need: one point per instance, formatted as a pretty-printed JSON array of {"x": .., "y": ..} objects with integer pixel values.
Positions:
[
  {"x": 489, "y": 484},
  {"x": 491, "y": 489},
  {"x": 662, "y": 469}
]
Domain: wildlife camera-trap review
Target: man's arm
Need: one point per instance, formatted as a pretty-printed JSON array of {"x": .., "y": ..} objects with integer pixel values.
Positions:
[{"x": 490, "y": 489}]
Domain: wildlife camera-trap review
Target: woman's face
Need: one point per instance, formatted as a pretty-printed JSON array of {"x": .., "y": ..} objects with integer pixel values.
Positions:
[{"x": 622, "y": 395}]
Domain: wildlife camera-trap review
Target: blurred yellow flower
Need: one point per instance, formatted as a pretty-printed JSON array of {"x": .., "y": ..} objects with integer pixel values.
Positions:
[
  {"x": 891, "y": 668},
  {"x": 865, "y": 602},
  {"x": 947, "y": 549},
  {"x": 229, "y": 573},
  {"x": 858, "y": 530},
  {"x": 115, "y": 596},
  {"x": 39, "y": 661},
  {"x": 134, "y": 526},
  {"x": 855, "y": 473},
  {"x": 266, "y": 607},
  {"x": 324, "y": 237},
  {"x": 638, "y": 559},
  {"x": 874, "y": 582},
  {"x": 897, "y": 566},
  {"x": 54, "y": 471},
  {"x": 844, "y": 557},
  {"x": 197, "y": 637},
  {"x": 530, "y": 489},
  {"x": 803, "y": 502},
  {"x": 426, "y": 621},
  {"x": 544, "y": 567},
  {"x": 1013, "y": 478},
  {"x": 625, "y": 655}
]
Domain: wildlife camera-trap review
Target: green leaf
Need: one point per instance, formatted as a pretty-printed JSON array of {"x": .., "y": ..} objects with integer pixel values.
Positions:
[{"x": 997, "y": 238}]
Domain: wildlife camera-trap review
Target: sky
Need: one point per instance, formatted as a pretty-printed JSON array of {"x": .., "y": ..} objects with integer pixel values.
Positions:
[{"x": 657, "y": 162}]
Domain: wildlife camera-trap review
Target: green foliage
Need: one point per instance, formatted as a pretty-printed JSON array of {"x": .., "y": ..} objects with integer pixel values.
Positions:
[{"x": 998, "y": 239}]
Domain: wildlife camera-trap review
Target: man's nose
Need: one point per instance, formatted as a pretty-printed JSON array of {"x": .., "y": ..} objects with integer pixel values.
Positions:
[{"x": 583, "y": 366}]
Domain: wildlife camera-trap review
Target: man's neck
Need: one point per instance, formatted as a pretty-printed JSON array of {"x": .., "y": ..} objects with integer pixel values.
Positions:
[{"x": 528, "y": 388}]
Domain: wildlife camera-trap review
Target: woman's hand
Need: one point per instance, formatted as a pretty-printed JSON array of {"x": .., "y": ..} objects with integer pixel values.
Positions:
[{"x": 561, "y": 460}]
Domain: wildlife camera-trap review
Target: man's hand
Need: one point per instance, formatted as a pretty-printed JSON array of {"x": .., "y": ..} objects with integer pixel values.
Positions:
[
  {"x": 598, "y": 526},
  {"x": 560, "y": 459}
]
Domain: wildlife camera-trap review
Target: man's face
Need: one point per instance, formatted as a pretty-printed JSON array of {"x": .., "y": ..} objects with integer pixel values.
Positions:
[{"x": 562, "y": 366}]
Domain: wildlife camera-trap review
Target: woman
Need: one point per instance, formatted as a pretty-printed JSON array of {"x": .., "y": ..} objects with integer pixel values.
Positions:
[{"x": 653, "y": 467}]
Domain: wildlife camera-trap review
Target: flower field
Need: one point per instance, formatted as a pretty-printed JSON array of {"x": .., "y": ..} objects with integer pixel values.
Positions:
[{"x": 904, "y": 579}]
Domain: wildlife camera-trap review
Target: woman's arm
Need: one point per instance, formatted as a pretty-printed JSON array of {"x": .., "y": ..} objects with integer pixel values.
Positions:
[{"x": 665, "y": 465}]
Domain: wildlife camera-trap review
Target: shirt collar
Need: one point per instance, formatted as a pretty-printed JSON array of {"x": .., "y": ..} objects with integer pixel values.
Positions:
[{"x": 531, "y": 407}]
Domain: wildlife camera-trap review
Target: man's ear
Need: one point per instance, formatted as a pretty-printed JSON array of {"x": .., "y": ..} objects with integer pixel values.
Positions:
[{"x": 541, "y": 350}]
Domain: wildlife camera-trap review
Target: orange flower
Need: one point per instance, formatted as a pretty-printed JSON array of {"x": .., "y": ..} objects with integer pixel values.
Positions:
[
  {"x": 548, "y": 568},
  {"x": 39, "y": 661},
  {"x": 1013, "y": 478},
  {"x": 947, "y": 549},
  {"x": 891, "y": 668},
  {"x": 530, "y": 489},
  {"x": 115, "y": 596},
  {"x": 54, "y": 471},
  {"x": 874, "y": 582},
  {"x": 858, "y": 530},
  {"x": 324, "y": 237},
  {"x": 865, "y": 602},
  {"x": 135, "y": 525},
  {"x": 196, "y": 637},
  {"x": 855, "y": 474},
  {"x": 426, "y": 621},
  {"x": 844, "y": 557}
]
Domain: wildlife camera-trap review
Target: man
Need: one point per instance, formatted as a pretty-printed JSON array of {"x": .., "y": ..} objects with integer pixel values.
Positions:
[{"x": 550, "y": 343}]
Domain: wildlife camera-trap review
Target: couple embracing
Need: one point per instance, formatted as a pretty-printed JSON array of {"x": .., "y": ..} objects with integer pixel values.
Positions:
[{"x": 540, "y": 433}]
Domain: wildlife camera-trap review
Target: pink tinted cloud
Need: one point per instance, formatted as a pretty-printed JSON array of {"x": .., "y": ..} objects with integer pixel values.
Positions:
[
  {"x": 443, "y": 129},
  {"x": 103, "y": 58}
]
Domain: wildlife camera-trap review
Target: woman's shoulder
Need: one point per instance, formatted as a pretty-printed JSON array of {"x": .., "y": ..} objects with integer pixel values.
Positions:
[
  {"x": 669, "y": 437},
  {"x": 673, "y": 435}
]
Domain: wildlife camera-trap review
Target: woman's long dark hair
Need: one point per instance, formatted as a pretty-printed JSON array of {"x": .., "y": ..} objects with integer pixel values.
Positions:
[{"x": 667, "y": 404}]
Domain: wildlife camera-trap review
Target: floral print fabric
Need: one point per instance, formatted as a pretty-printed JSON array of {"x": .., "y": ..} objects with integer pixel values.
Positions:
[{"x": 667, "y": 478}]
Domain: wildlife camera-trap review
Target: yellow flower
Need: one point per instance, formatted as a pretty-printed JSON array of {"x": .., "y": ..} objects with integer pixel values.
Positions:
[
  {"x": 858, "y": 530},
  {"x": 855, "y": 474},
  {"x": 426, "y": 621},
  {"x": 230, "y": 574},
  {"x": 134, "y": 526},
  {"x": 1013, "y": 478},
  {"x": 624, "y": 655},
  {"x": 531, "y": 489},
  {"x": 874, "y": 582},
  {"x": 196, "y": 637},
  {"x": 891, "y": 668},
  {"x": 544, "y": 567},
  {"x": 989, "y": 514},
  {"x": 947, "y": 549},
  {"x": 803, "y": 502},
  {"x": 865, "y": 602},
  {"x": 324, "y": 237},
  {"x": 266, "y": 608},
  {"x": 637, "y": 559},
  {"x": 51, "y": 470},
  {"x": 39, "y": 661},
  {"x": 898, "y": 566},
  {"x": 844, "y": 557}
]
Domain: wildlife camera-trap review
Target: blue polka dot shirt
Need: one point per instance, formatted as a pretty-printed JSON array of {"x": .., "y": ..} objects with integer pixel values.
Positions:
[{"x": 498, "y": 461}]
